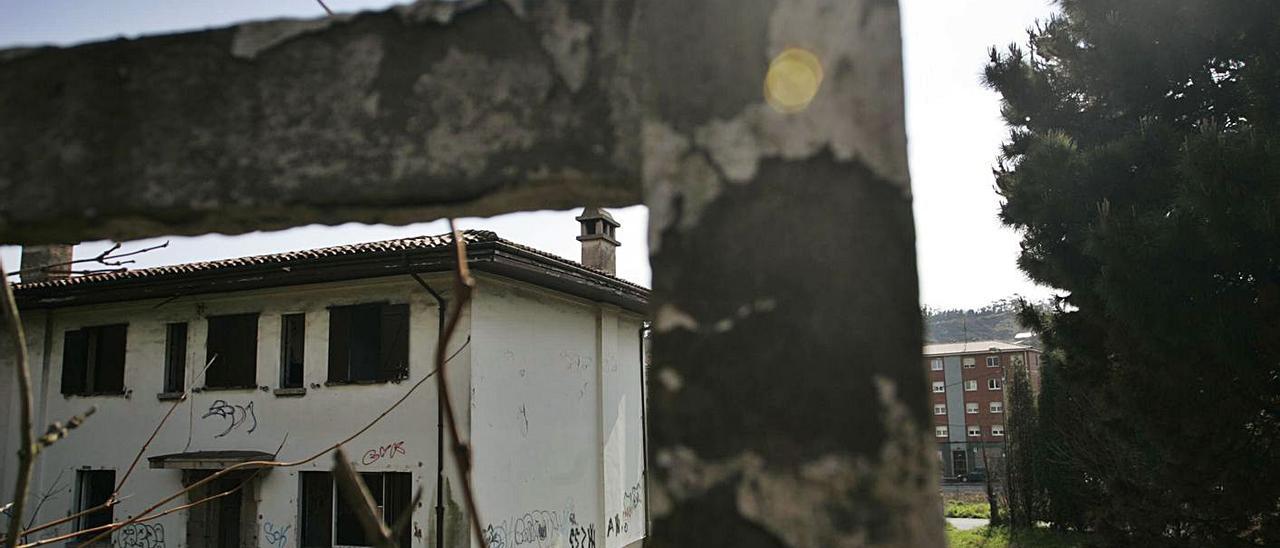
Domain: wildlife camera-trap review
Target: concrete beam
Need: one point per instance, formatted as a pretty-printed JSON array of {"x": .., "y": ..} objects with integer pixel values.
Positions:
[
  {"x": 767, "y": 137},
  {"x": 434, "y": 109}
]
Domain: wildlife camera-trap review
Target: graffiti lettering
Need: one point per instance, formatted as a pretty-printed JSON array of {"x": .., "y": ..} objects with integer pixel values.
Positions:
[
  {"x": 541, "y": 529},
  {"x": 140, "y": 535},
  {"x": 277, "y": 537},
  {"x": 235, "y": 415},
  {"x": 388, "y": 451},
  {"x": 631, "y": 500}
]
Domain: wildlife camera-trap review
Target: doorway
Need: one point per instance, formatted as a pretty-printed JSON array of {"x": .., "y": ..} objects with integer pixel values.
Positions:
[
  {"x": 227, "y": 521},
  {"x": 959, "y": 464}
]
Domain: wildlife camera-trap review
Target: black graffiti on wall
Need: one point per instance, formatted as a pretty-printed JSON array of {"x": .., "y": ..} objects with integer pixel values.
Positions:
[
  {"x": 140, "y": 535},
  {"x": 234, "y": 415}
]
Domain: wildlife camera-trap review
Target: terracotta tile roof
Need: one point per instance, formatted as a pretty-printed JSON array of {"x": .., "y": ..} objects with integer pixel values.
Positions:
[{"x": 416, "y": 243}]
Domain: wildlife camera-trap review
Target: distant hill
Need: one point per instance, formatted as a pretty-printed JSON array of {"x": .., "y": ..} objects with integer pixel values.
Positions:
[{"x": 997, "y": 321}]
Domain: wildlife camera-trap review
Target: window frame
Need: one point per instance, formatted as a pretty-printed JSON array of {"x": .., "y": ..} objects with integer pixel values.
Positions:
[
  {"x": 990, "y": 359},
  {"x": 88, "y": 377},
  {"x": 997, "y": 430},
  {"x": 84, "y": 486},
  {"x": 971, "y": 385},
  {"x": 249, "y": 352},
  {"x": 176, "y": 338},
  {"x": 939, "y": 387},
  {"x": 995, "y": 384},
  {"x": 935, "y": 364},
  {"x": 974, "y": 431},
  {"x": 939, "y": 407},
  {"x": 971, "y": 408},
  {"x": 293, "y": 347},
  {"x": 382, "y": 365},
  {"x": 995, "y": 407},
  {"x": 940, "y": 432},
  {"x": 339, "y": 522},
  {"x": 968, "y": 362}
]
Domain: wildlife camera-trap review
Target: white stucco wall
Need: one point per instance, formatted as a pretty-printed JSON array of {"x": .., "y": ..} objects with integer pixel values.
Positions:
[
  {"x": 548, "y": 390},
  {"x": 304, "y": 425},
  {"x": 556, "y": 425}
]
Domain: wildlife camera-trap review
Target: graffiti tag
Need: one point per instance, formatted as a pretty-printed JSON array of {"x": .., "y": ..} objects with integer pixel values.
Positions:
[
  {"x": 275, "y": 536},
  {"x": 140, "y": 535},
  {"x": 235, "y": 415},
  {"x": 388, "y": 451}
]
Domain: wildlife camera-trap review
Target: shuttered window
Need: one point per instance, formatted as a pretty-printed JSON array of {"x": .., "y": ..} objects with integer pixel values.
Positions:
[
  {"x": 93, "y": 360},
  {"x": 327, "y": 518},
  {"x": 368, "y": 342},
  {"x": 233, "y": 346},
  {"x": 175, "y": 357},
  {"x": 292, "y": 342}
]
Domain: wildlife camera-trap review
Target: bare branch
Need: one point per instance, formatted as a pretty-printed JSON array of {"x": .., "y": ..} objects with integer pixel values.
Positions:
[
  {"x": 326, "y": 8},
  {"x": 105, "y": 258},
  {"x": 26, "y": 437},
  {"x": 57, "y": 430}
]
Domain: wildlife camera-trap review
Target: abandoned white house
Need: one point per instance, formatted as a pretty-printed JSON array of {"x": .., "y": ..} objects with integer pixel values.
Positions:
[{"x": 289, "y": 353}]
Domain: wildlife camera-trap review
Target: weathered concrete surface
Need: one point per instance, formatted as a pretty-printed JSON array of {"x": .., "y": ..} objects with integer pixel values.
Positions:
[
  {"x": 788, "y": 407},
  {"x": 378, "y": 117}
]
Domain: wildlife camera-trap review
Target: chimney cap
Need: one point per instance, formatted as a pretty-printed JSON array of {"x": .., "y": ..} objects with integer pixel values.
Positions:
[
  {"x": 597, "y": 224},
  {"x": 597, "y": 213}
]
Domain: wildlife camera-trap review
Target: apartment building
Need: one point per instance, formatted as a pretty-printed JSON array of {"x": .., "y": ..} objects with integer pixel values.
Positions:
[{"x": 968, "y": 400}]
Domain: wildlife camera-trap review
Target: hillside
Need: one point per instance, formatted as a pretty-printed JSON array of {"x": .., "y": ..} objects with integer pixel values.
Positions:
[{"x": 997, "y": 321}]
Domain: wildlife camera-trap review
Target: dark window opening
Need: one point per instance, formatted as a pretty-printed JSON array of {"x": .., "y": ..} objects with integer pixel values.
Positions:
[
  {"x": 95, "y": 487},
  {"x": 328, "y": 519},
  {"x": 93, "y": 360},
  {"x": 368, "y": 342},
  {"x": 175, "y": 357},
  {"x": 233, "y": 347},
  {"x": 591, "y": 227},
  {"x": 292, "y": 340}
]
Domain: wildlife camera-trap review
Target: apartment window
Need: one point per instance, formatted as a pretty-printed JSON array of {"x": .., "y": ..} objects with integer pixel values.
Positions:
[
  {"x": 94, "y": 488},
  {"x": 970, "y": 386},
  {"x": 997, "y": 407},
  {"x": 175, "y": 357},
  {"x": 997, "y": 430},
  {"x": 939, "y": 409},
  {"x": 993, "y": 361},
  {"x": 939, "y": 386},
  {"x": 935, "y": 364},
  {"x": 292, "y": 339},
  {"x": 969, "y": 362},
  {"x": 975, "y": 431},
  {"x": 233, "y": 347},
  {"x": 971, "y": 408},
  {"x": 328, "y": 520},
  {"x": 368, "y": 342},
  {"x": 994, "y": 384},
  {"x": 940, "y": 431},
  {"x": 93, "y": 360}
]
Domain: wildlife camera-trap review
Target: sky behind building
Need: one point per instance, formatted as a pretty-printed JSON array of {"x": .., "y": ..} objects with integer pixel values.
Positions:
[{"x": 953, "y": 125}]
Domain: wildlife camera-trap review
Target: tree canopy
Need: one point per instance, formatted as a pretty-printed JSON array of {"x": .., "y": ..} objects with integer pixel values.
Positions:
[{"x": 1143, "y": 171}]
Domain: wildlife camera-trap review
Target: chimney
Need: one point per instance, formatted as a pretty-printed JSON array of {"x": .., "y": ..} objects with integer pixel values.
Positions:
[
  {"x": 36, "y": 257},
  {"x": 599, "y": 243}
]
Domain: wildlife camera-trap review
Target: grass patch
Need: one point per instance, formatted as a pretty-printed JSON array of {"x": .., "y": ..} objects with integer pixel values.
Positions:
[
  {"x": 1000, "y": 537},
  {"x": 958, "y": 509}
]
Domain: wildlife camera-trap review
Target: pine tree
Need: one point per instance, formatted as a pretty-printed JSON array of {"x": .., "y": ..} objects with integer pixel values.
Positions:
[{"x": 1143, "y": 171}]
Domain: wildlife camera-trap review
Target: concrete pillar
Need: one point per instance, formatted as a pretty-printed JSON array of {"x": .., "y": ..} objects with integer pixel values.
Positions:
[{"x": 46, "y": 262}]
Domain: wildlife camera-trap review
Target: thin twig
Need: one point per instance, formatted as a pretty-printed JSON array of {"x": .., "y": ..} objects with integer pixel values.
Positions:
[
  {"x": 271, "y": 463},
  {"x": 105, "y": 258},
  {"x": 26, "y": 438},
  {"x": 326, "y": 8},
  {"x": 463, "y": 283},
  {"x": 186, "y": 392}
]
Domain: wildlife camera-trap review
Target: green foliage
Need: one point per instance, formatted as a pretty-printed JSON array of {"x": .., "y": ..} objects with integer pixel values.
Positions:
[
  {"x": 1001, "y": 537},
  {"x": 1022, "y": 439},
  {"x": 1143, "y": 170},
  {"x": 959, "y": 509}
]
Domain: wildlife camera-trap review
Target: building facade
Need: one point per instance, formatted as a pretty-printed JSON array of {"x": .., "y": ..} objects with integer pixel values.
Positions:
[
  {"x": 968, "y": 401},
  {"x": 275, "y": 358}
]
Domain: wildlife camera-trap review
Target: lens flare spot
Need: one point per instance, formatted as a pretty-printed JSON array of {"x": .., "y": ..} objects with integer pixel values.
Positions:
[{"x": 793, "y": 80}]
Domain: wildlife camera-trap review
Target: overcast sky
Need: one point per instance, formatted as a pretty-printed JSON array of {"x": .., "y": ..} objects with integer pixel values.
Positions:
[{"x": 966, "y": 257}]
